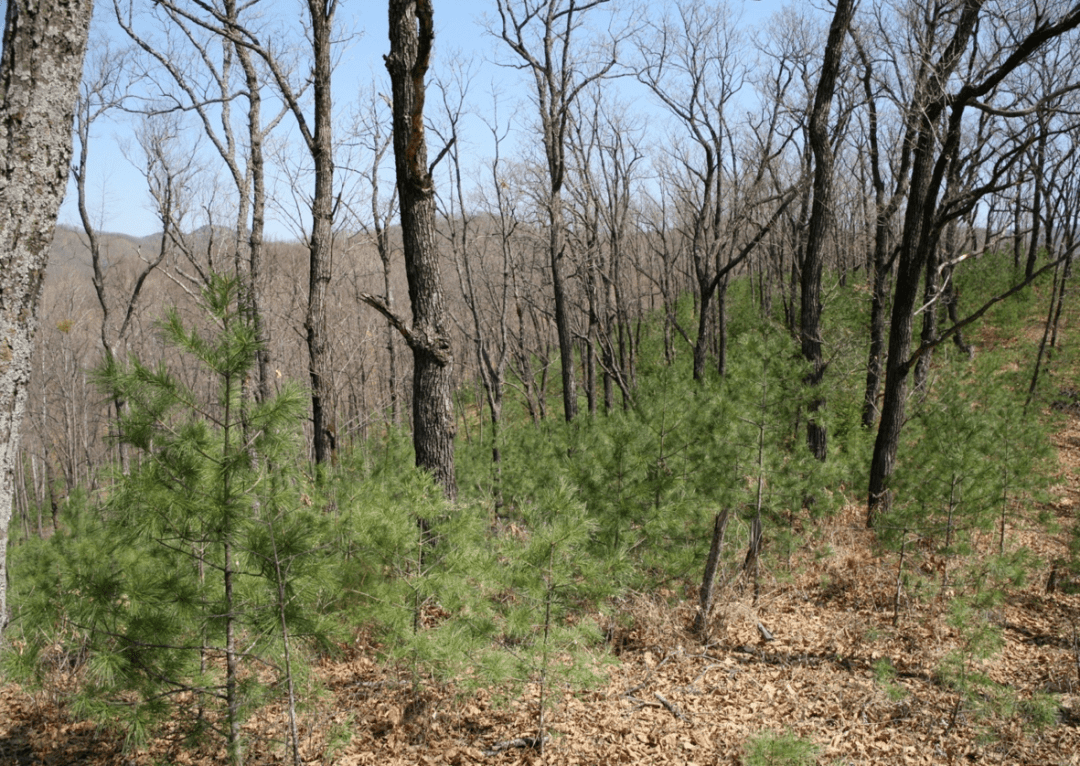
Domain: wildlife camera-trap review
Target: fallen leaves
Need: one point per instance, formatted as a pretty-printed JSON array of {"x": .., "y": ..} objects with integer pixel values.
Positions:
[{"x": 671, "y": 699}]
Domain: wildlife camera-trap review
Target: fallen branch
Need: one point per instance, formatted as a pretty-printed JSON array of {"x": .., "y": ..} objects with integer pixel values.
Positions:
[
  {"x": 699, "y": 675},
  {"x": 629, "y": 692},
  {"x": 671, "y": 708},
  {"x": 509, "y": 744}
]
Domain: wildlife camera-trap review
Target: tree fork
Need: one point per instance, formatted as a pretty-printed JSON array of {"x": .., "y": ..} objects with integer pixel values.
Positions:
[{"x": 411, "y": 35}]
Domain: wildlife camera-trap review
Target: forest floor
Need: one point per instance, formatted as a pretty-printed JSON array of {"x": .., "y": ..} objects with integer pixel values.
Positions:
[{"x": 672, "y": 698}]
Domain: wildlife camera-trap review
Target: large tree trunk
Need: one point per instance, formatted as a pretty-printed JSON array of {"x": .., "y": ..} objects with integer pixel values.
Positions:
[
  {"x": 411, "y": 36},
  {"x": 40, "y": 69},
  {"x": 914, "y": 250}
]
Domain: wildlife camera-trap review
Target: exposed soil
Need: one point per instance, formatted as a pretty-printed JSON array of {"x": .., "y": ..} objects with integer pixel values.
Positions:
[{"x": 672, "y": 698}]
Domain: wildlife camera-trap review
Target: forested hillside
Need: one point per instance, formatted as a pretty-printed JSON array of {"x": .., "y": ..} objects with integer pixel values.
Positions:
[{"x": 722, "y": 408}]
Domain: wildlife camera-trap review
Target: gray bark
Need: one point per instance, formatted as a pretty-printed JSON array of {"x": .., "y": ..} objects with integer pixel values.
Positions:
[{"x": 40, "y": 70}]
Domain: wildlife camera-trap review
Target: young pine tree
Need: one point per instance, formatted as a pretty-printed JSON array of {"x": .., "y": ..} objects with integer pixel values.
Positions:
[{"x": 201, "y": 561}]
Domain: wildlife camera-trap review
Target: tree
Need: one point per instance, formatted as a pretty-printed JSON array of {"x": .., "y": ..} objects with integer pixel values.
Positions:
[
  {"x": 544, "y": 34},
  {"x": 205, "y": 85},
  {"x": 820, "y": 145},
  {"x": 693, "y": 65},
  {"x": 375, "y": 137},
  {"x": 103, "y": 89},
  {"x": 200, "y": 556},
  {"x": 939, "y": 126},
  {"x": 40, "y": 70},
  {"x": 316, "y": 131},
  {"x": 606, "y": 171},
  {"x": 412, "y": 33}
]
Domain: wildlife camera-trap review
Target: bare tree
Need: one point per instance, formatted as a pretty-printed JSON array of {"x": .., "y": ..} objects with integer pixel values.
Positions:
[
  {"x": 316, "y": 131},
  {"x": 204, "y": 81},
  {"x": 545, "y": 36},
  {"x": 376, "y": 137},
  {"x": 944, "y": 97},
  {"x": 412, "y": 33},
  {"x": 488, "y": 281},
  {"x": 40, "y": 67},
  {"x": 693, "y": 63},
  {"x": 606, "y": 171},
  {"x": 813, "y": 256},
  {"x": 104, "y": 89}
]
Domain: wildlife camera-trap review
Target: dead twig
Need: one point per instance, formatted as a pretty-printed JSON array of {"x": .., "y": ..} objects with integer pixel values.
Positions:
[
  {"x": 648, "y": 676},
  {"x": 510, "y": 744},
  {"x": 671, "y": 708}
]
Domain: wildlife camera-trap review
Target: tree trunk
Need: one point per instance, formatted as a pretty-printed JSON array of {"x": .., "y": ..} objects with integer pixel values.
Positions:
[
  {"x": 930, "y": 315},
  {"x": 701, "y": 343},
  {"x": 921, "y": 217},
  {"x": 256, "y": 314},
  {"x": 877, "y": 328},
  {"x": 721, "y": 327},
  {"x": 411, "y": 37},
  {"x": 707, "y": 592},
  {"x": 914, "y": 249},
  {"x": 562, "y": 308},
  {"x": 810, "y": 277},
  {"x": 40, "y": 69},
  {"x": 321, "y": 241},
  {"x": 1036, "y": 202}
]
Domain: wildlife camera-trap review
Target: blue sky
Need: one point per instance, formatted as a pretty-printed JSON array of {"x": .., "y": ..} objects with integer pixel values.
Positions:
[{"x": 117, "y": 197}]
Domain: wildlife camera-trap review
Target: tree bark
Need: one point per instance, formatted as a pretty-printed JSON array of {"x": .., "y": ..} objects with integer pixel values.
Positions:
[
  {"x": 1039, "y": 169},
  {"x": 256, "y": 163},
  {"x": 411, "y": 36},
  {"x": 810, "y": 278},
  {"x": 321, "y": 242},
  {"x": 40, "y": 69}
]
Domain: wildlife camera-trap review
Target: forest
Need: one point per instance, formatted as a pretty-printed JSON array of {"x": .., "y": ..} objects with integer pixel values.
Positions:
[{"x": 701, "y": 392}]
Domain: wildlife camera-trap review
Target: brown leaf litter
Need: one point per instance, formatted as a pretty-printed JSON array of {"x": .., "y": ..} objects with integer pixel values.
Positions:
[{"x": 672, "y": 698}]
